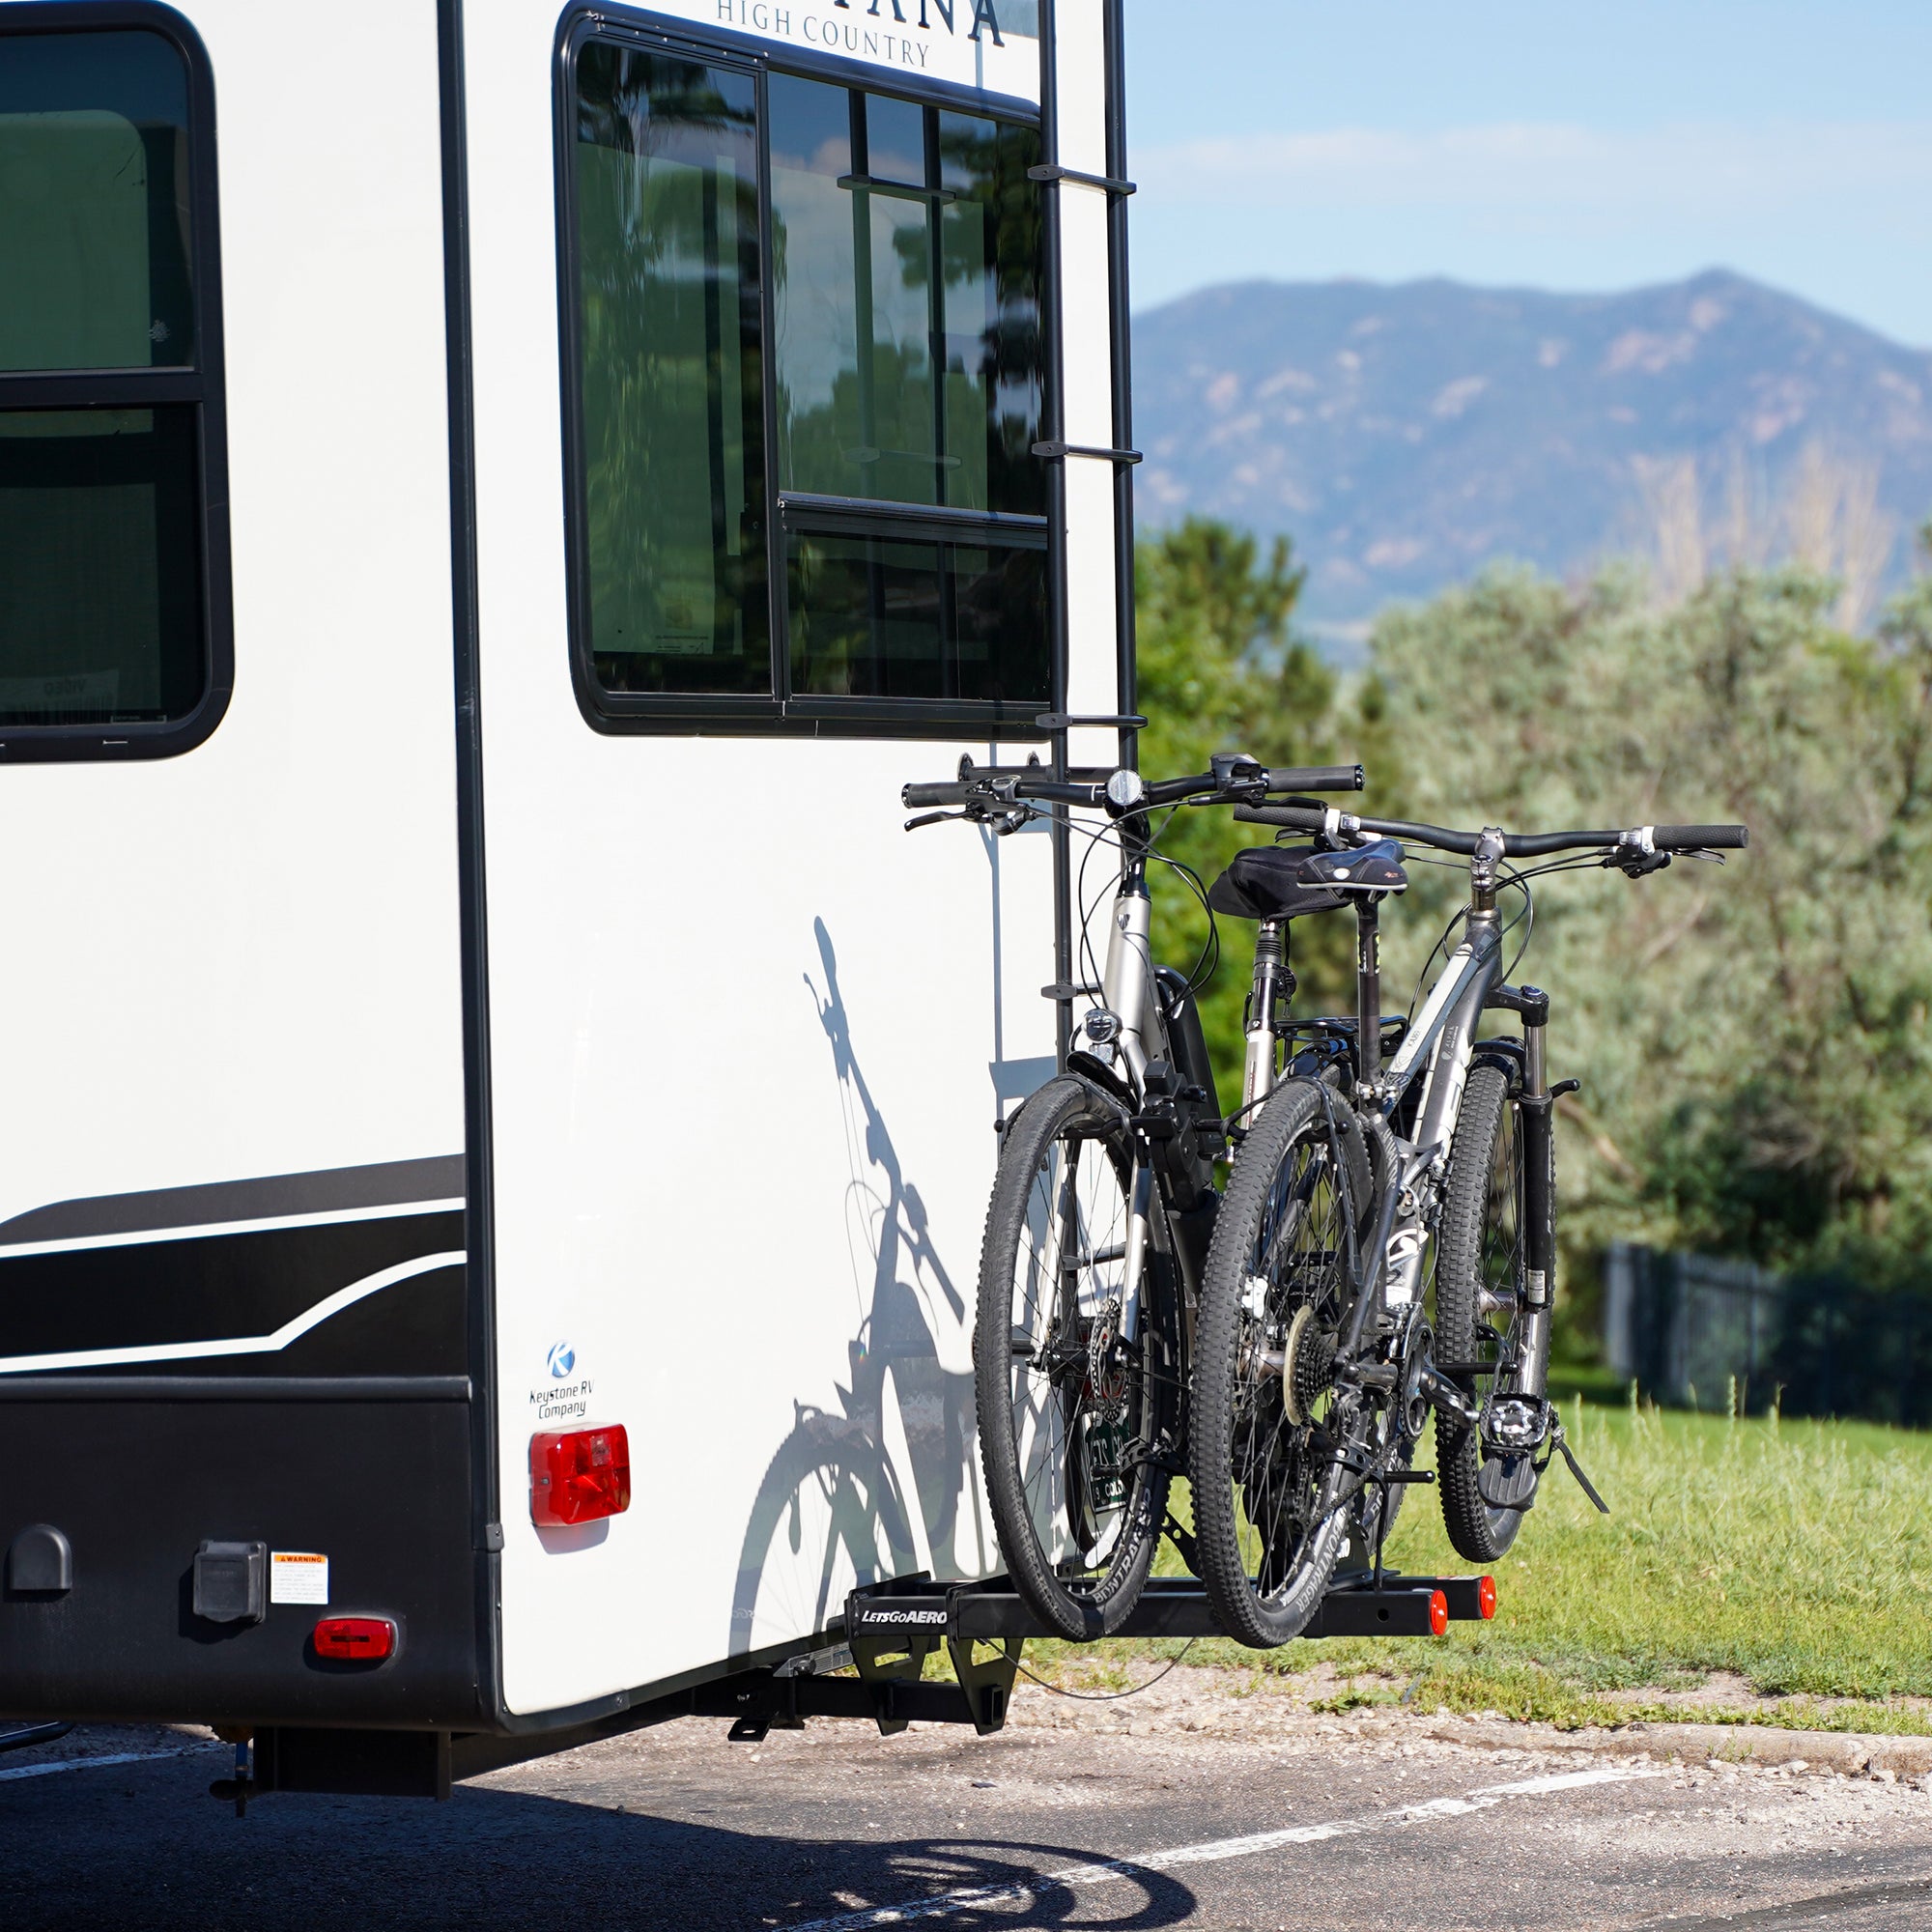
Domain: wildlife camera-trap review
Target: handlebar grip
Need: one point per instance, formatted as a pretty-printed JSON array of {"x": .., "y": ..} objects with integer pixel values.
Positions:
[
  {"x": 1294, "y": 817},
  {"x": 1316, "y": 777},
  {"x": 916, "y": 796},
  {"x": 1700, "y": 837}
]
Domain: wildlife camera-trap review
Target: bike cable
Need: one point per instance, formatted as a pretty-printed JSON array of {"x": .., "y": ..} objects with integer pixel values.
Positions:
[{"x": 1109, "y": 1696}]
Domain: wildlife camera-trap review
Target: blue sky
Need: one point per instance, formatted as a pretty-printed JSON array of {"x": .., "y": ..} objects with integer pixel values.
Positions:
[{"x": 1555, "y": 144}]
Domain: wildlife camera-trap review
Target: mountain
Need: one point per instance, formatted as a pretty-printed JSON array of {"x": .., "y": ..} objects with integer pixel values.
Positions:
[{"x": 1405, "y": 435}]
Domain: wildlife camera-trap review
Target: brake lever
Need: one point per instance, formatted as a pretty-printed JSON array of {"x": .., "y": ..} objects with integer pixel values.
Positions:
[{"x": 1003, "y": 822}]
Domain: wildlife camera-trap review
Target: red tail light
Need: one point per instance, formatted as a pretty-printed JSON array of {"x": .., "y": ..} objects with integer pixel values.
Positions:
[
  {"x": 1439, "y": 1613},
  {"x": 580, "y": 1476},
  {"x": 1486, "y": 1597},
  {"x": 356, "y": 1640}
]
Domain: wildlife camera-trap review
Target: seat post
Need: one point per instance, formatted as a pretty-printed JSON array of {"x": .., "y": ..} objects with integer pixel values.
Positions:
[{"x": 1368, "y": 988}]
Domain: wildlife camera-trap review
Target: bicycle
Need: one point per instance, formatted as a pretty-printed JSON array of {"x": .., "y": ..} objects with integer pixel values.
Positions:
[
  {"x": 1317, "y": 1367},
  {"x": 1097, "y": 1228}
]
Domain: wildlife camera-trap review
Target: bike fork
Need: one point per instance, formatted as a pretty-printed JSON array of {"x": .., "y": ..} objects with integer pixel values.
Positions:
[
  {"x": 1537, "y": 1113},
  {"x": 1129, "y": 993},
  {"x": 1274, "y": 986}
]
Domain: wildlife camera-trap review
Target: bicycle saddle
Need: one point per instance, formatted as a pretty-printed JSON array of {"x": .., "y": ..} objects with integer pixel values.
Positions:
[
  {"x": 1267, "y": 882},
  {"x": 1367, "y": 869}
]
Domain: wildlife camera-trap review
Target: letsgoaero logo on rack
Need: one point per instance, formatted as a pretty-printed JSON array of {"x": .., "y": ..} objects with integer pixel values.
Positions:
[{"x": 992, "y": 45}]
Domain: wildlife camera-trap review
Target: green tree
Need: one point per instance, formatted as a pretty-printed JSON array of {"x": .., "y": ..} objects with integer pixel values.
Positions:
[
  {"x": 1752, "y": 1042},
  {"x": 1220, "y": 671}
]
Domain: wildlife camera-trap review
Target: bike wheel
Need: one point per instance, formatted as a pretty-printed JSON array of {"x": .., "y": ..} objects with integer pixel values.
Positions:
[
  {"x": 1074, "y": 1424},
  {"x": 1272, "y": 1436},
  {"x": 1479, "y": 1274}
]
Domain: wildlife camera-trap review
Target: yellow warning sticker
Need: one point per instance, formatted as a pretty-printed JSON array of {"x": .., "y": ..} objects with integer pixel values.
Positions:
[{"x": 297, "y": 1576}]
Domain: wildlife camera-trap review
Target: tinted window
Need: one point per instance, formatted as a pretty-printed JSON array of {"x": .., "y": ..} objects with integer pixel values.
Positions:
[
  {"x": 101, "y": 618},
  {"x": 672, "y": 409},
  {"x": 892, "y": 339},
  {"x": 93, "y": 209},
  {"x": 106, "y": 439},
  {"x": 872, "y": 617},
  {"x": 906, "y": 301}
]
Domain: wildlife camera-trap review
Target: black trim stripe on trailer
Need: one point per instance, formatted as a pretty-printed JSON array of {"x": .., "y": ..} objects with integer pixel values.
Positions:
[
  {"x": 378, "y": 1294},
  {"x": 274, "y": 1197}
]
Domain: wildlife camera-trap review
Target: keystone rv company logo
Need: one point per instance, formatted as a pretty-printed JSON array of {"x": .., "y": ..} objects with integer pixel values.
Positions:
[{"x": 562, "y": 1401}]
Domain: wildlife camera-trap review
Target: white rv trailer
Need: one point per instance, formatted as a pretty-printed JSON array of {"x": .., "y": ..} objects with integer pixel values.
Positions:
[{"x": 492, "y": 506}]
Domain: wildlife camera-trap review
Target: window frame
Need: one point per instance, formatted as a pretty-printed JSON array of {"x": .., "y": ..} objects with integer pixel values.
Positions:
[
  {"x": 200, "y": 386},
  {"x": 782, "y": 714}
]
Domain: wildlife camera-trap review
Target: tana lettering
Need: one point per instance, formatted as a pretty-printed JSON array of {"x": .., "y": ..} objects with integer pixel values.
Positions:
[{"x": 765, "y": 18}]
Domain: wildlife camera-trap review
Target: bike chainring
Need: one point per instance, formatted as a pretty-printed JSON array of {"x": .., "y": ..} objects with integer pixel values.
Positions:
[{"x": 1417, "y": 1351}]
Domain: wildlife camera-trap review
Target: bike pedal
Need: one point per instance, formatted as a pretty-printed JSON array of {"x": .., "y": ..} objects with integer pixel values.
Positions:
[
  {"x": 1516, "y": 1425},
  {"x": 1507, "y": 1482}
]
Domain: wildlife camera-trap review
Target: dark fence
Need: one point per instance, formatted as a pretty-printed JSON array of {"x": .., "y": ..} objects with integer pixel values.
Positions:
[{"x": 1695, "y": 1332}]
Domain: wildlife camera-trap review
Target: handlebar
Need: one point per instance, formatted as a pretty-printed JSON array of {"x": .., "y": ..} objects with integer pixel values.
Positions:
[
  {"x": 991, "y": 791},
  {"x": 915, "y": 797},
  {"x": 1700, "y": 837},
  {"x": 1314, "y": 777},
  {"x": 1644, "y": 838},
  {"x": 1245, "y": 780}
]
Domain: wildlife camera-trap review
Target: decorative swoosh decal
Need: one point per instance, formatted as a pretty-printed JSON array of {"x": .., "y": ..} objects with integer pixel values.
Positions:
[
  {"x": 250, "y": 1345},
  {"x": 276, "y": 1196}
]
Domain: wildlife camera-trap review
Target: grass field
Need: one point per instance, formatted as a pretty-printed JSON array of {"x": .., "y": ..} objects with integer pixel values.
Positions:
[{"x": 1794, "y": 1556}]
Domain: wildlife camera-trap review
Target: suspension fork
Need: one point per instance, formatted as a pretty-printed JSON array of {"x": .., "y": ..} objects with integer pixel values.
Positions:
[
  {"x": 1537, "y": 1114},
  {"x": 1128, "y": 988},
  {"x": 1368, "y": 993},
  {"x": 1273, "y": 985}
]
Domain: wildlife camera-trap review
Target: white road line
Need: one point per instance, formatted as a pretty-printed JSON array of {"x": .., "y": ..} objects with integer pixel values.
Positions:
[
  {"x": 95, "y": 1763},
  {"x": 1213, "y": 1851}
]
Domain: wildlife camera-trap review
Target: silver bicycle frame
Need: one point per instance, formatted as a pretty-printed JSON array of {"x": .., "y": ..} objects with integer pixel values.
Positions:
[
  {"x": 1444, "y": 1036},
  {"x": 1128, "y": 992}
]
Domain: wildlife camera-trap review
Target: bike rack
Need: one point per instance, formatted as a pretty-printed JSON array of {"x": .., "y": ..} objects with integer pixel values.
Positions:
[
  {"x": 888, "y": 1633},
  {"x": 891, "y": 1630}
]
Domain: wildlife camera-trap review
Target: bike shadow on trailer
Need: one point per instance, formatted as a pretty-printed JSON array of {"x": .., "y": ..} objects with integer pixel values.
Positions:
[
  {"x": 875, "y": 1488},
  {"x": 75, "y": 1853}
]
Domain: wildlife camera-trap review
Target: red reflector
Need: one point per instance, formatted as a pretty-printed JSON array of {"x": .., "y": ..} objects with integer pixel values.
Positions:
[
  {"x": 1439, "y": 1613},
  {"x": 356, "y": 1640},
  {"x": 1486, "y": 1597},
  {"x": 579, "y": 1477}
]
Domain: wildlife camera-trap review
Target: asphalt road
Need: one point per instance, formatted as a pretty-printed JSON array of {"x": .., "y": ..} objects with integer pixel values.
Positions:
[{"x": 1302, "y": 1827}]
